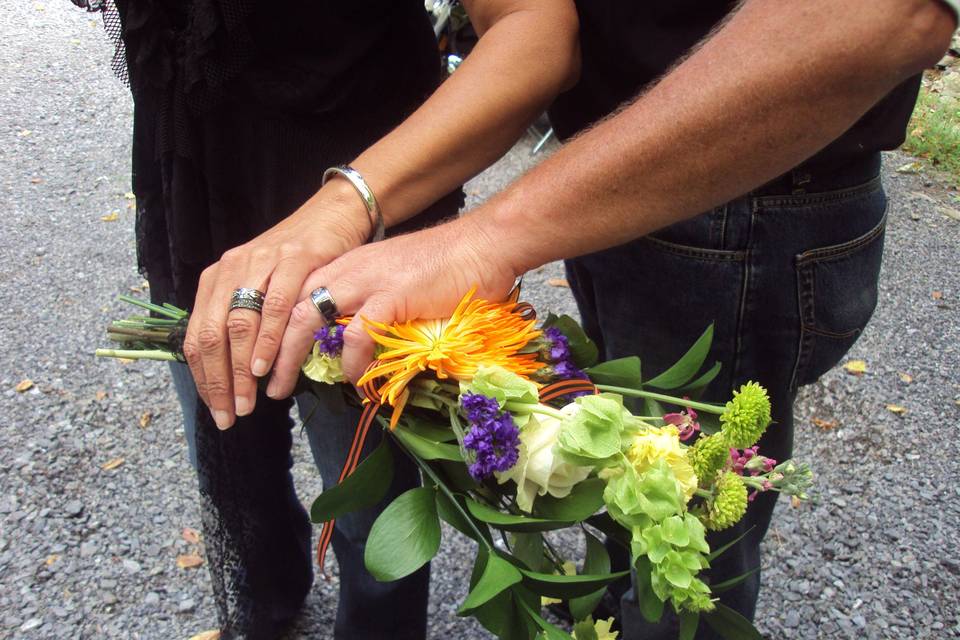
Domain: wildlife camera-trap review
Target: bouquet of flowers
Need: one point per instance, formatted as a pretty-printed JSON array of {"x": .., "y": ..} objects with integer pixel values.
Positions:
[{"x": 519, "y": 431}]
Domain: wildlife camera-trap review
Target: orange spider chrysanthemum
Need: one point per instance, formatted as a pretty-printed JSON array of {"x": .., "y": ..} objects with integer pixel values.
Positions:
[{"x": 478, "y": 333}]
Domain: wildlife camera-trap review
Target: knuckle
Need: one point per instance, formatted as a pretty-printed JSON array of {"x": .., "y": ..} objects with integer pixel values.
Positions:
[
  {"x": 239, "y": 326},
  {"x": 302, "y": 316},
  {"x": 277, "y": 305},
  {"x": 191, "y": 351},
  {"x": 288, "y": 250},
  {"x": 353, "y": 335},
  {"x": 241, "y": 371},
  {"x": 233, "y": 256},
  {"x": 213, "y": 387},
  {"x": 209, "y": 338},
  {"x": 268, "y": 340}
]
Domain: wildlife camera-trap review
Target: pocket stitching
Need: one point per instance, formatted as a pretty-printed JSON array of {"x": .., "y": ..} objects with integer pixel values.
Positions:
[
  {"x": 708, "y": 255},
  {"x": 822, "y": 198},
  {"x": 839, "y": 251}
]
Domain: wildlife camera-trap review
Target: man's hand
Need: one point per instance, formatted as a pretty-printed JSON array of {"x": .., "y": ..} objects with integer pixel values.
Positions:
[
  {"x": 419, "y": 275},
  {"x": 227, "y": 350}
]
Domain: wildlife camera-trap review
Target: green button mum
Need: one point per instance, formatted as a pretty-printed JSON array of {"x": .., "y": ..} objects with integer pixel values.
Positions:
[
  {"x": 707, "y": 456},
  {"x": 746, "y": 417},
  {"x": 730, "y": 503}
]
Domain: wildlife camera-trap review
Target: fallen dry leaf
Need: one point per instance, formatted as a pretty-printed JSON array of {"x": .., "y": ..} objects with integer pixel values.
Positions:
[
  {"x": 125, "y": 360},
  {"x": 856, "y": 367},
  {"x": 213, "y": 634},
  {"x": 189, "y": 561},
  {"x": 795, "y": 502},
  {"x": 112, "y": 464},
  {"x": 191, "y": 535},
  {"x": 51, "y": 559},
  {"x": 936, "y": 295},
  {"x": 24, "y": 385},
  {"x": 110, "y": 217},
  {"x": 36, "y": 180},
  {"x": 101, "y": 395},
  {"x": 129, "y": 195},
  {"x": 897, "y": 409},
  {"x": 910, "y": 167},
  {"x": 558, "y": 282},
  {"x": 145, "y": 418},
  {"x": 24, "y": 133},
  {"x": 953, "y": 214},
  {"x": 905, "y": 377},
  {"x": 826, "y": 425}
]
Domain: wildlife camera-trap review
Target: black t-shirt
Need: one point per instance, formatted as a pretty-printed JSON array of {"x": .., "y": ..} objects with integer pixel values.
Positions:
[{"x": 627, "y": 45}]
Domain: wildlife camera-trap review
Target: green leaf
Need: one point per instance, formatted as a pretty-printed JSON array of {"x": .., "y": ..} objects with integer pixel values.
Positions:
[
  {"x": 596, "y": 562},
  {"x": 528, "y": 549},
  {"x": 622, "y": 372},
  {"x": 428, "y": 449},
  {"x": 584, "y": 500},
  {"x": 510, "y": 522},
  {"x": 497, "y": 575},
  {"x": 550, "y": 631},
  {"x": 686, "y": 367},
  {"x": 405, "y": 537},
  {"x": 503, "y": 616},
  {"x": 731, "y": 625},
  {"x": 605, "y": 523},
  {"x": 652, "y": 408},
  {"x": 716, "y": 554},
  {"x": 582, "y": 348},
  {"x": 726, "y": 585},
  {"x": 709, "y": 422},
  {"x": 453, "y": 516},
  {"x": 457, "y": 476},
  {"x": 364, "y": 488},
  {"x": 700, "y": 383},
  {"x": 426, "y": 430},
  {"x": 651, "y": 607},
  {"x": 689, "y": 621},
  {"x": 567, "y": 587}
]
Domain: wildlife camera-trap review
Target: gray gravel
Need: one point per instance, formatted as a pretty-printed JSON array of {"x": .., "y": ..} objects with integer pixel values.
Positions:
[{"x": 87, "y": 552}]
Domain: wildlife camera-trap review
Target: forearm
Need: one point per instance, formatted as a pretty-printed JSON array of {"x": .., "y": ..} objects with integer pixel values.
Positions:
[
  {"x": 777, "y": 83},
  {"x": 527, "y": 56}
]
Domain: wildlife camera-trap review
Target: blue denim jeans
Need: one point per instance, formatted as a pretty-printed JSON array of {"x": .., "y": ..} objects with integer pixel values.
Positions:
[
  {"x": 788, "y": 274},
  {"x": 267, "y": 568}
]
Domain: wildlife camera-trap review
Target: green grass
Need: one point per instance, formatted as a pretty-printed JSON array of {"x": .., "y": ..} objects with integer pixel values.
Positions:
[{"x": 934, "y": 132}]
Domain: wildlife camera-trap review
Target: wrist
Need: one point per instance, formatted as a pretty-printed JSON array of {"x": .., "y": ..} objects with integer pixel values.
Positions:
[{"x": 340, "y": 206}]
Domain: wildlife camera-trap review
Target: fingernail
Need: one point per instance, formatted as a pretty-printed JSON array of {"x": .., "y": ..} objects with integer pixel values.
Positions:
[
  {"x": 272, "y": 389},
  {"x": 260, "y": 367},
  {"x": 243, "y": 405},
  {"x": 222, "y": 418}
]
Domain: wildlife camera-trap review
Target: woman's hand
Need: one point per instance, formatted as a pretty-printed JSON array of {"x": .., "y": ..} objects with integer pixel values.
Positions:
[
  {"x": 418, "y": 275},
  {"x": 228, "y": 349}
]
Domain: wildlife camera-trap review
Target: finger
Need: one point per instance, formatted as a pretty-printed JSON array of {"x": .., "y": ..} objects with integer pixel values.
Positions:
[
  {"x": 358, "y": 346},
  {"x": 285, "y": 283},
  {"x": 297, "y": 341},
  {"x": 214, "y": 348},
  {"x": 242, "y": 327},
  {"x": 191, "y": 345}
]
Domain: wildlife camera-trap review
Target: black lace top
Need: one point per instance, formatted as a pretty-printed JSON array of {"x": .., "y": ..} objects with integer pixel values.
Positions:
[{"x": 239, "y": 105}]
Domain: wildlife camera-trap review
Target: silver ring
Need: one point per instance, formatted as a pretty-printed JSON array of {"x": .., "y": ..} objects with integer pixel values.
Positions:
[
  {"x": 324, "y": 303},
  {"x": 244, "y": 298}
]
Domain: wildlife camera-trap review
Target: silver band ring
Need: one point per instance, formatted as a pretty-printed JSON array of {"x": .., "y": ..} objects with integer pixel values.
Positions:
[
  {"x": 324, "y": 303},
  {"x": 244, "y": 298}
]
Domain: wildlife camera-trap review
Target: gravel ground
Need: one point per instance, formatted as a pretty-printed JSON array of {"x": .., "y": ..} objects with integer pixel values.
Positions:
[{"x": 88, "y": 551}]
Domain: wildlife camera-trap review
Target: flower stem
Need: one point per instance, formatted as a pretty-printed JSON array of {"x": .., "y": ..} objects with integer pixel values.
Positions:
[
  {"x": 637, "y": 393},
  {"x": 136, "y": 354},
  {"x": 526, "y": 407}
]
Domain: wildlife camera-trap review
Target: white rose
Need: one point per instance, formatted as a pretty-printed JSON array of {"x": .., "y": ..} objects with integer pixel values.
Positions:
[
  {"x": 320, "y": 367},
  {"x": 539, "y": 470}
]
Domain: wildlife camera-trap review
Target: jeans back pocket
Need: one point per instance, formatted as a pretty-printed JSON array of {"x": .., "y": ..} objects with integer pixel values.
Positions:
[{"x": 837, "y": 291}]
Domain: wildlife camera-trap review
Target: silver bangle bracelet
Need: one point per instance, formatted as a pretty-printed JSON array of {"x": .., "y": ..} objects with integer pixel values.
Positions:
[{"x": 366, "y": 194}]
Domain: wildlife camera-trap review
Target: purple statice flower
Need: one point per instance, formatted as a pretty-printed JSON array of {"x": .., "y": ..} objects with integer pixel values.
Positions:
[
  {"x": 557, "y": 347},
  {"x": 330, "y": 339},
  {"x": 566, "y": 370},
  {"x": 493, "y": 436}
]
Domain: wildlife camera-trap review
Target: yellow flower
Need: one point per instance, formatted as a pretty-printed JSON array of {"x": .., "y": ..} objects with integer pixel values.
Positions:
[
  {"x": 320, "y": 367},
  {"x": 602, "y": 627},
  {"x": 663, "y": 443},
  {"x": 478, "y": 333}
]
